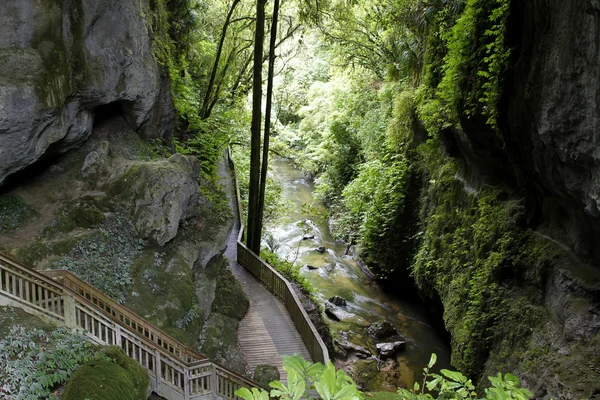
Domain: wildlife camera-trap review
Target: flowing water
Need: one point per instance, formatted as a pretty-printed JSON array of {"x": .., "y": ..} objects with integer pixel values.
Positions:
[{"x": 338, "y": 274}]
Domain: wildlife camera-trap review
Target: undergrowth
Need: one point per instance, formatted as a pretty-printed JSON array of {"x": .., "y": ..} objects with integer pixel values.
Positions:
[
  {"x": 33, "y": 361},
  {"x": 105, "y": 258},
  {"x": 13, "y": 213}
]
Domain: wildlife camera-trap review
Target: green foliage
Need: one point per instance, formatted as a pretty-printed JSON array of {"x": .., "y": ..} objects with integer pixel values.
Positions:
[
  {"x": 400, "y": 130},
  {"x": 473, "y": 67},
  {"x": 304, "y": 376},
  {"x": 287, "y": 269},
  {"x": 372, "y": 200},
  {"x": 330, "y": 384},
  {"x": 454, "y": 385},
  {"x": 33, "y": 361},
  {"x": 113, "y": 377},
  {"x": 471, "y": 247},
  {"x": 105, "y": 258},
  {"x": 13, "y": 212}
]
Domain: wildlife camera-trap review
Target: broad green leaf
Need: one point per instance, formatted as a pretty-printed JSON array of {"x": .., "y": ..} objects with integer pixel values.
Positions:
[
  {"x": 432, "y": 360},
  {"x": 454, "y": 375}
]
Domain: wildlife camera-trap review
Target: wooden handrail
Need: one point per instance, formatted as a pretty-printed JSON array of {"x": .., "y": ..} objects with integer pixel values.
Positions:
[
  {"x": 279, "y": 286},
  {"x": 177, "y": 371},
  {"x": 123, "y": 316}
]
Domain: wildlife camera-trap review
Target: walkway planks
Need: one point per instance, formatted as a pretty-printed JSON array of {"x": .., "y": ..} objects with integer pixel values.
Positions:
[{"x": 267, "y": 332}]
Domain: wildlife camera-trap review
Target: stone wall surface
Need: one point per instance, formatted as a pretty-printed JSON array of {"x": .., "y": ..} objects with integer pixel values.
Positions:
[{"x": 62, "y": 59}]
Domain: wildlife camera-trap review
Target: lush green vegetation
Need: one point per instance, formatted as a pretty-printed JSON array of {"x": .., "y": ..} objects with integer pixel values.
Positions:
[
  {"x": 34, "y": 361},
  {"x": 330, "y": 384}
]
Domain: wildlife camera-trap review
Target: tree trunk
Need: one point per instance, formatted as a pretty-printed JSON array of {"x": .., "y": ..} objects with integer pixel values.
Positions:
[
  {"x": 204, "y": 113},
  {"x": 265, "y": 159},
  {"x": 252, "y": 241}
]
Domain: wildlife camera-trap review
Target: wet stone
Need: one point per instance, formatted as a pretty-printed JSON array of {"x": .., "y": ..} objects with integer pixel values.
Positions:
[
  {"x": 386, "y": 350},
  {"x": 381, "y": 330},
  {"x": 352, "y": 348},
  {"x": 331, "y": 313},
  {"x": 321, "y": 249},
  {"x": 338, "y": 301}
]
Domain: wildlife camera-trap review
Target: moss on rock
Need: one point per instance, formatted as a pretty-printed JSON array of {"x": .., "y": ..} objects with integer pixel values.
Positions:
[
  {"x": 230, "y": 298},
  {"x": 116, "y": 377},
  {"x": 163, "y": 292}
]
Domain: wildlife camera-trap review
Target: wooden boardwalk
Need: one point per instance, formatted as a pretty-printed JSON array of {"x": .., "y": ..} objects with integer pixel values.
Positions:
[{"x": 267, "y": 332}]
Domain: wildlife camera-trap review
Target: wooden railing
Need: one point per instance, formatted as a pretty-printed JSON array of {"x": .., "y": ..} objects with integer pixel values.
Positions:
[
  {"x": 279, "y": 286},
  {"x": 176, "y": 371}
]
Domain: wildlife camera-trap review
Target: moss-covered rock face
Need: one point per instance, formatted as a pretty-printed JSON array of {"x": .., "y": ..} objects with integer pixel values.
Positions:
[
  {"x": 218, "y": 339},
  {"x": 116, "y": 377},
  {"x": 513, "y": 300}
]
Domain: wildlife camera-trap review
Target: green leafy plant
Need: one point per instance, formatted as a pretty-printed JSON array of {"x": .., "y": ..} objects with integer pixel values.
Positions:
[
  {"x": 304, "y": 376},
  {"x": 454, "y": 385},
  {"x": 33, "y": 361}
]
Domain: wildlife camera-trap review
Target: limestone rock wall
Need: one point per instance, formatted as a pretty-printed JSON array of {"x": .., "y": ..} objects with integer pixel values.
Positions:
[
  {"x": 62, "y": 59},
  {"x": 553, "y": 113}
]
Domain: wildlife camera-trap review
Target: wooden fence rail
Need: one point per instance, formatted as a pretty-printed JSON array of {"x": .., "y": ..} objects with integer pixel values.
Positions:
[
  {"x": 279, "y": 286},
  {"x": 176, "y": 371}
]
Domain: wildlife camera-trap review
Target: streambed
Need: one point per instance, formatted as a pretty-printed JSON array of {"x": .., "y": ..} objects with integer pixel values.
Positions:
[{"x": 337, "y": 274}]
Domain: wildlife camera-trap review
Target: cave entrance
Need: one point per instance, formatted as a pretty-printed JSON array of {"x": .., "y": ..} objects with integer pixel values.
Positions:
[{"x": 106, "y": 112}]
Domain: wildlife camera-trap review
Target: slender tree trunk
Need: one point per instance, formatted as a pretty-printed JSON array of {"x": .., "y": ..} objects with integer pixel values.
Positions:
[
  {"x": 252, "y": 241},
  {"x": 204, "y": 113},
  {"x": 265, "y": 154}
]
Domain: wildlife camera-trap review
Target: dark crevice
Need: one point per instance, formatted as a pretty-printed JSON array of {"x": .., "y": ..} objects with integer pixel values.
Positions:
[{"x": 116, "y": 109}]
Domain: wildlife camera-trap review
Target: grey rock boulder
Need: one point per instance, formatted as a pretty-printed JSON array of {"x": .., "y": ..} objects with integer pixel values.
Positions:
[
  {"x": 351, "y": 348},
  {"x": 95, "y": 162},
  {"x": 381, "y": 330},
  {"x": 386, "y": 350},
  {"x": 338, "y": 301},
  {"x": 158, "y": 194},
  {"x": 60, "y": 63},
  {"x": 332, "y": 313}
]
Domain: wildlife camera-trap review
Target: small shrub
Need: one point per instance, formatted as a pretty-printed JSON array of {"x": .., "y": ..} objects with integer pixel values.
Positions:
[
  {"x": 13, "y": 212},
  {"x": 114, "y": 377}
]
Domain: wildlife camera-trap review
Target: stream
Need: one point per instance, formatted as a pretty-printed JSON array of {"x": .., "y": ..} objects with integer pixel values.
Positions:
[{"x": 337, "y": 274}]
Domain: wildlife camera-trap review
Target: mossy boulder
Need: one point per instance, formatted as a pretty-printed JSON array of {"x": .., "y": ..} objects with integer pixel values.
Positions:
[
  {"x": 219, "y": 342},
  {"x": 116, "y": 377},
  {"x": 265, "y": 374},
  {"x": 230, "y": 298},
  {"x": 158, "y": 194}
]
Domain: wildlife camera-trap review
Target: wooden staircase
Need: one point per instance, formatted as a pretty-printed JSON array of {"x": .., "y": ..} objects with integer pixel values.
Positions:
[{"x": 176, "y": 371}]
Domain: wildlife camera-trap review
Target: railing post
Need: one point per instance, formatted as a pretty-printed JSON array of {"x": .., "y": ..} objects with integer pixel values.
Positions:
[
  {"x": 214, "y": 384},
  {"x": 158, "y": 371},
  {"x": 118, "y": 339},
  {"x": 186, "y": 384},
  {"x": 70, "y": 311}
]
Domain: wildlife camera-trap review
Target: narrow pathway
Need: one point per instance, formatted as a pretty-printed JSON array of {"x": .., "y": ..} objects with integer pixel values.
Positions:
[{"x": 267, "y": 332}]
